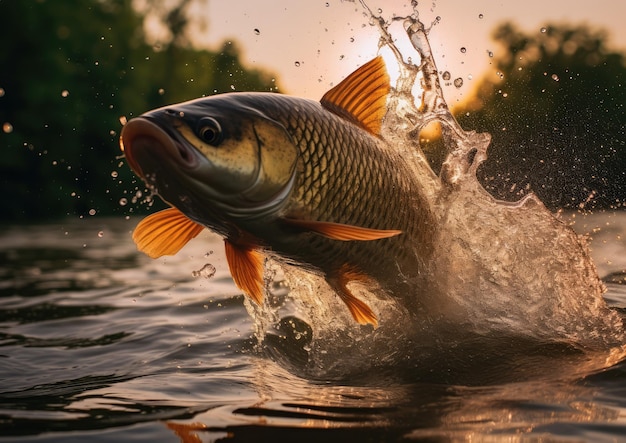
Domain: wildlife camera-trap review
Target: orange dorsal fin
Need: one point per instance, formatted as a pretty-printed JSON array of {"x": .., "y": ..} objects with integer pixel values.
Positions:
[
  {"x": 165, "y": 232},
  {"x": 246, "y": 267},
  {"x": 360, "y": 311},
  {"x": 362, "y": 96},
  {"x": 340, "y": 231}
]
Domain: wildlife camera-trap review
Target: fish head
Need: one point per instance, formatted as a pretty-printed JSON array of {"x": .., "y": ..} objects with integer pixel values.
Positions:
[{"x": 216, "y": 159}]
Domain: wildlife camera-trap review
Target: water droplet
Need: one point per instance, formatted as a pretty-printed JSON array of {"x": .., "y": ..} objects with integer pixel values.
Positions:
[
  {"x": 65, "y": 93},
  {"x": 123, "y": 201},
  {"x": 446, "y": 75},
  {"x": 463, "y": 50},
  {"x": 458, "y": 82},
  {"x": 92, "y": 212},
  {"x": 297, "y": 64},
  {"x": 100, "y": 234},
  {"x": 207, "y": 271},
  {"x": 257, "y": 31},
  {"x": 7, "y": 127},
  {"x": 555, "y": 77}
]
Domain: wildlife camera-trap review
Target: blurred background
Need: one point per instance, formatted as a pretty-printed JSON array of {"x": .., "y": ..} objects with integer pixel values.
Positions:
[{"x": 548, "y": 81}]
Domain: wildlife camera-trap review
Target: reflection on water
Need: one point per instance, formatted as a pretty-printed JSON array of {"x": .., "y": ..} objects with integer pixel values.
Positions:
[{"x": 99, "y": 342}]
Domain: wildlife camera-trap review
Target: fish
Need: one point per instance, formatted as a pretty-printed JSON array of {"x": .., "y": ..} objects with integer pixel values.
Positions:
[{"x": 313, "y": 184}]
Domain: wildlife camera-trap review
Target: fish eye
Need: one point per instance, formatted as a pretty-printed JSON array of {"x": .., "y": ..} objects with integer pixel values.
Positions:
[{"x": 209, "y": 131}]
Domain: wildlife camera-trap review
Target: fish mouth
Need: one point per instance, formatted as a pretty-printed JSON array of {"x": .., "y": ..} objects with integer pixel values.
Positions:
[{"x": 142, "y": 140}]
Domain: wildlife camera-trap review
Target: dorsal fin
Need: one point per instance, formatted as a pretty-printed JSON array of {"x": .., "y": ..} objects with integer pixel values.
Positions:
[
  {"x": 165, "y": 232},
  {"x": 362, "y": 96}
]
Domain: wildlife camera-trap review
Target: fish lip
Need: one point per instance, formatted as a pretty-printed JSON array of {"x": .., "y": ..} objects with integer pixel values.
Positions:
[{"x": 142, "y": 134}]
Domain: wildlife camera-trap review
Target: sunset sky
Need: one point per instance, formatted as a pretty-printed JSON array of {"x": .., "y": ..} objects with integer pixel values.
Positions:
[{"x": 313, "y": 44}]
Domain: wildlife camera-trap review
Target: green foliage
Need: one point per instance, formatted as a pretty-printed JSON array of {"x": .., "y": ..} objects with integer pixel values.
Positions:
[
  {"x": 69, "y": 70},
  {"x": 556, "y": 114}
]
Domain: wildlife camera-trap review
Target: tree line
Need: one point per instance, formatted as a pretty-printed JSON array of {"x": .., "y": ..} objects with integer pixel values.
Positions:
[{"x": 72, "y": 71}]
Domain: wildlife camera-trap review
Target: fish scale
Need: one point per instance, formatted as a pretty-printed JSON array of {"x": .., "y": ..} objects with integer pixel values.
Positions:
[{"x": 371, "y": 186}]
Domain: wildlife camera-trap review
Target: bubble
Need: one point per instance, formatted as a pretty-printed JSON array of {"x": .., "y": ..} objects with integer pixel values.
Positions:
[
  {"x": 92, "y": 212},
  {"x": 123, "y": 120},
  {"x": 446, "y": 75},
  {"x": 65, "y": 93},
  {"x": 458, "y": 82},
  {"x": 114, "y": 174},
  {"x": 161, "y": 91},
  {"x": 7, "y": 127},
  {"x": 555, "y": 77},
  {"x": 481, "y": 16},
  {"x": 112, "y": 133},
  {"x": 463, "y": 50},
  {"x": 489, "y": 53},
  {"x": 100, "y": 234},
  {"x": 1, "y": 92},
  {"x": 544, "y": 30},
  {"x": 257, "y": 31},
  {"x": 123, "y": 201},
  {"x": 297, "y": 64}
]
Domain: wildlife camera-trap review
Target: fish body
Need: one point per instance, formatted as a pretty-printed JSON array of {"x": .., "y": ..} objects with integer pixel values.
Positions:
[{"x": 312, "y": 183}]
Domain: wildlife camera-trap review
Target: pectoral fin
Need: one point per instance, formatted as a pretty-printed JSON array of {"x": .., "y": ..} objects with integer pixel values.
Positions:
[
  {"x": 165, "y": 232},
  {"x": 360, "y": 311},
  {"x": 246, "y": 267},
  {"x": 339, "y": 231}
]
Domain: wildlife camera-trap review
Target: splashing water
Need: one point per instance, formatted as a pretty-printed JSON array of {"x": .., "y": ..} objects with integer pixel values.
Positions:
[{"x": 508, "y": 285}]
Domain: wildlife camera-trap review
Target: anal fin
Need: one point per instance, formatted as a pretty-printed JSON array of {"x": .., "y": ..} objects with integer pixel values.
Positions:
[
  {"x": 246, "y": 267},
  {"x": 360, "y": 311}
]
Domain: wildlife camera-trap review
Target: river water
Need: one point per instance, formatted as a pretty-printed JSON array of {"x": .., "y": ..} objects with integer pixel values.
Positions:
[{"x": 100, "y": 343}]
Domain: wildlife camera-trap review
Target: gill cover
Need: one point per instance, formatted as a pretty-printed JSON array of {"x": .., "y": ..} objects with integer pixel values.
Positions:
[{"x": 253, "y": 162}]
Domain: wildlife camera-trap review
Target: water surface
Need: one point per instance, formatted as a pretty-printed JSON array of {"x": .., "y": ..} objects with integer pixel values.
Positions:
[{"x": 98, "y": 342}]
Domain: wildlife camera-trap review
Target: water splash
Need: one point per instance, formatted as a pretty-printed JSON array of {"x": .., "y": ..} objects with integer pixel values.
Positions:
[{"x": 507, "y": 282}]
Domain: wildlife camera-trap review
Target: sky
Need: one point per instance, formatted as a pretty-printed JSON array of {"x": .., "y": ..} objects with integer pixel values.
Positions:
[{"x": 312, "y": 44}]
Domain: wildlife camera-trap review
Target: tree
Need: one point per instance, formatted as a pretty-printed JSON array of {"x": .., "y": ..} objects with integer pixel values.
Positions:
[
  {"x": 69, "y": 71},
  {"x": 556, "y": 112}
]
